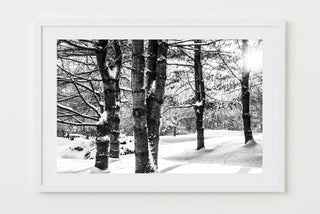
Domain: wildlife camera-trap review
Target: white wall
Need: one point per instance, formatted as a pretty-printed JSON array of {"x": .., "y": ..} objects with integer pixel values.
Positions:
[{"x": 303, "y": 144}]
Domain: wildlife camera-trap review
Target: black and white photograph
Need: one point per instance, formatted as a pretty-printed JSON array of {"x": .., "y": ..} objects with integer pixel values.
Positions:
[
  {"x": 177, "y": 106},
  {"x": 160, "y": 107}
]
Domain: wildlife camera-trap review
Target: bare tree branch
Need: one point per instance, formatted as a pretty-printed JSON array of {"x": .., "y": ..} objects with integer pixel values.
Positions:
[
  {"x": 68, "y": 98},
  {"x": 178, "y": 64},
  {"x": 76, "y": 124},
  {"x": 79, "y": 46},
  {"x": 66, "y": 108},
  {"x": 174, "y": 107},
  {"x": 224, "y": 62},
  {"x": 84, "y": 100}
]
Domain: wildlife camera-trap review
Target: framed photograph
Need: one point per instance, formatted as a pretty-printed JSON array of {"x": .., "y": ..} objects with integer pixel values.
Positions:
[{"x": 159, "y": 105}]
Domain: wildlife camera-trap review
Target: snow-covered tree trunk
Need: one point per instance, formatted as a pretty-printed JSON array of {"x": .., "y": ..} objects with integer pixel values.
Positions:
[
  {"x": 112, "y": 95},
  {"x": 150, "y": 84},
  {"x": 152, "y": 51},
  {"x": 199, "y": 95},
  {"x": 142, "y": 157},
  {"x": 246, "y": 93},
  {"x": 102, "y": 141},
  {"x": 156, "y": 78}
]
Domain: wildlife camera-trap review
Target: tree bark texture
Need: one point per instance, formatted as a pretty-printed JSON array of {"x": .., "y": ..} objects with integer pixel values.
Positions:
[
  {"x": 155, "y": 86},
  {"x": 113, "y": 94},
  {"x": 110, "y": 125},
  {"x": 246, "y": 93},
  {"x": 199, "y": 95},
  {"x": 102, "y": 154},
  {"x": 102, "y": 143},
  {"x": 139, "y": 109}
]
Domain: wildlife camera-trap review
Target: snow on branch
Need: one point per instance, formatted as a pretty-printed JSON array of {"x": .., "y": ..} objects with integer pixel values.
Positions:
[
  {"x": 103, "y": 118},
  {"x": 198, "y": 103},
  {"x": 113, "y": 72},
  {"x": 66, "y": 108},
  {"x": 76, "y": 124},
  {"x": 105, "y": 138},
  {"x": 161, "y": 58},
  {"x": 125, "y": 89},
  {"x": 180, "y": 64}
]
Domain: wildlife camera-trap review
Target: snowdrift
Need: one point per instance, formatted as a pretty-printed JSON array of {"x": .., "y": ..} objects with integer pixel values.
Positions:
[{"x": 224, "y": 152}]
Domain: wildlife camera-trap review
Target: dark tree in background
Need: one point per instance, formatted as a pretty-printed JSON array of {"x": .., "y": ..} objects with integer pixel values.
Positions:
[
  {"x": 199, "y": 95},
  {"x": 113, "y": 95},
  {"x": 246, "y": 93}
]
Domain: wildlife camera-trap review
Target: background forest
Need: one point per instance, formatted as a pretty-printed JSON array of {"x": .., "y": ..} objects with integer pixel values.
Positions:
[{"x": 199, "y": 92}]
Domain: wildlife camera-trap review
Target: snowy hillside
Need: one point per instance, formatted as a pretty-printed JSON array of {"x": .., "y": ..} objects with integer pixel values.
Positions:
[{"x": 224, "y": 152}]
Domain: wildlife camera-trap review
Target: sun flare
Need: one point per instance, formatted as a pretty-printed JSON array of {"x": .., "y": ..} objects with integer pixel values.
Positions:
[{"x": 255, "y": 60}]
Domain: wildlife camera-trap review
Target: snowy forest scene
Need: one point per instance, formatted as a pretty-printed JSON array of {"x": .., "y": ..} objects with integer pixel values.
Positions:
[{"x": 179, "y": 106}]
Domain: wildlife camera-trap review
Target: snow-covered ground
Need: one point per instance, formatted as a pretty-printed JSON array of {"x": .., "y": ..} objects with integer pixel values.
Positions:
[{"x": 224, "y": 152}]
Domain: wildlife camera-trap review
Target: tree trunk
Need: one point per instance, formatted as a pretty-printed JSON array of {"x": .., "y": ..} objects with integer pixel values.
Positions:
[
  {"x": 113, "y": 107},
  {"x": 156, "y": 77},
  {"x": 152, "y": 52},
  {"x": 139, "y": 109},
  {"x": 174, "y": 131},
  {"x": 246, "y": 93},
  {"x": 199, "y": 95},
  {"x": 102, "y": 143}
]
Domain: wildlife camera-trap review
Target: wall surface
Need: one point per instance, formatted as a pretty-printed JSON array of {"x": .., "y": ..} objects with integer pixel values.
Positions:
[{"x": 302, "y": 76}]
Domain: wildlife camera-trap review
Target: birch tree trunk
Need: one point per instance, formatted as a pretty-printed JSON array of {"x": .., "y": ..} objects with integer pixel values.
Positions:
[
  {"x": 155, "y": 78},
  {"x": 199, "y": 95},
  {"x": 150, "y": 85},
  {"x": 102, "y": 141},
  {"x": 139, "y": 109},
  {"x": 246, "y": 93},
  {"x": 113, "y": 107}
]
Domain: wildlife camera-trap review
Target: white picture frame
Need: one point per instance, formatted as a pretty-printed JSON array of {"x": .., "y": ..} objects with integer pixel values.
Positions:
[{"x": 273, "y": 177}]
